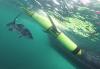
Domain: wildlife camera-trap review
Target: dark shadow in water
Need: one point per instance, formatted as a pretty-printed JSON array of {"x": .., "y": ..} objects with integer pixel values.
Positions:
[{"x": 78, "y": 62}]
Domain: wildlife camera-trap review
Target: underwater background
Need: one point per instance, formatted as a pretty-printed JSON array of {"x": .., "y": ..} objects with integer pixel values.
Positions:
[{"x": 40, "y": 52}]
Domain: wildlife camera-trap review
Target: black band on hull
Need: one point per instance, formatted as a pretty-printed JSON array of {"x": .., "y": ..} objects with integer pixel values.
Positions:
[{"x": 76, "y": 50}]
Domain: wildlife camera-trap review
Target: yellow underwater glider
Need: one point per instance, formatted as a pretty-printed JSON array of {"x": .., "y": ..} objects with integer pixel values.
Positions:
[{"x": 47, "y": 24}]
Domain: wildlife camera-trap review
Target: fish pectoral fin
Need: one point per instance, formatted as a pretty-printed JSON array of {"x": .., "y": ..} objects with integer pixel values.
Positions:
[
  {"x": 10, "y": 23},
  {"x": 20, "y": 36},
  {"x": 10, "y": 29},
  {"x": 31, "y": 37}
]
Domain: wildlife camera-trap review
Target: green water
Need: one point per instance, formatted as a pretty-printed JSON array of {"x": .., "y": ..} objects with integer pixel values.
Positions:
[{"x": 22, "y": 53}]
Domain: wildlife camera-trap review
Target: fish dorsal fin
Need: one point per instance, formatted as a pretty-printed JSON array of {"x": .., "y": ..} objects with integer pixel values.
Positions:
[{"x": 14, "y": 21}]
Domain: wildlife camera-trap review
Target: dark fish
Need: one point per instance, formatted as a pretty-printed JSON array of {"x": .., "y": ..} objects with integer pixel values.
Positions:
[
  {"x": 27, "y": 33},
  {"x": 13, "y": 26}
]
